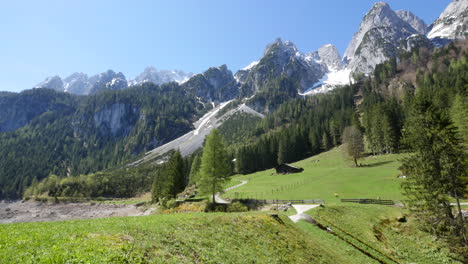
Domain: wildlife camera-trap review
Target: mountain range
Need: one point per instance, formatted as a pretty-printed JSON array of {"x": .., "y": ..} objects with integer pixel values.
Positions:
[
  {"x": 382, "y": 34},
  {"x": 81, "y": 124}
]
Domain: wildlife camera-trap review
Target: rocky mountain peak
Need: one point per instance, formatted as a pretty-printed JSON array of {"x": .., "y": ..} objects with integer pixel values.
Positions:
[
  {"x": 286, "y": 48},
  {"x": 414, "y": 21},
  {"x": 330, "y": 56},
  {"x": 378, "y": 38},
  {"x": 53, "y": 82},
  {"x": 452, "y": 22},
  {"x": 151, "y": 74}
]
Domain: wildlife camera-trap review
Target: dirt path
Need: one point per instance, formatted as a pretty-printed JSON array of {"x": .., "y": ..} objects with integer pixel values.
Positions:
[
  {"x": 220, "y": 200},
  {"x": 300, "y": 209},
  {"x": 15, "y": 212}
]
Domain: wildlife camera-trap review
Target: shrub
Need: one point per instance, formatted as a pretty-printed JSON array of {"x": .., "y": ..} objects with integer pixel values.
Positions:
[{"x": 237, "y": 207}]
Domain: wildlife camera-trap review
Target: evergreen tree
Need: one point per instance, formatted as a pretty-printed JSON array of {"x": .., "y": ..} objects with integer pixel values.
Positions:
[
  {"x": 194, "y": 170},
  {"x": 176, "y": 173},
  {"x": 434, "y": 171},
  {"x": 325, "y": 141},
  {"x": 283, "y": 150},
  {"x": 169, "y": 180},
  {"x": 214, "y": 170},
  {"x": 459, "y": 115}
]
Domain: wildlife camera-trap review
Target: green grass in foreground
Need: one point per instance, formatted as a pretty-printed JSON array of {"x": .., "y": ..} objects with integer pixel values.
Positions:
[
  {"x": 321, "y": 179},
  {"x": 377, "y": 226},
  {"x": 171, "y": 238}
]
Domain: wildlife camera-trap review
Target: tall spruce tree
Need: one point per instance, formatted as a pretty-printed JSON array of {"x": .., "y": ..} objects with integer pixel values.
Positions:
[
  {"x": 195, "y": 170},
  {"x": 214, "y": 170},
  {"x": 434, "y": 171},
  {"x": 170, "y": 179}
]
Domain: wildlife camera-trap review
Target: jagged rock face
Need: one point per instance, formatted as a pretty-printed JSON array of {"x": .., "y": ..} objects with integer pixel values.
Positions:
[
  {"x": 241, "y": 76},
  {"x": 452, "y": 23},
  {"x": 108, "y": 80},
  {"x": 414, "y": 21},
  {"x": 16, "y": 110},
  {"x": 215, "y": 84},
  {"x": 416, "y": 41},
  {"x": 378, "y": 38},
  {"x": 151, "y": 74},
  {"x": 281, "y": 58},
  {"x": 329, "y": 55},
  {"x": 77, "y": 83},
  {"x": 116, "y": 119},
  {"x": 54, "y": 83}
]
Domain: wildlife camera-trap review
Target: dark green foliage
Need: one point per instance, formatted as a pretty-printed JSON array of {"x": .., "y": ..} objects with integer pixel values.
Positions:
[
  {"x": 214, "y": 169},
  {"x": 195, "y": 170},
  {"x": 434, "y": 170},
  {"x": 82, "y": 135},
  {"x": 275, "y": 93},
  {"x": 120, "y": 183},
  {"x": 170, "y": 179},
  {"x": 295, "y": 129},
  {"x": 238, "y": 127}
]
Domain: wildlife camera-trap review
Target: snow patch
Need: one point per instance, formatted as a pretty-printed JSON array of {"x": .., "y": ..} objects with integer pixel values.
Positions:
[
  {"x": 250, "y": 66},
  {"x": 329, "y": 81},
  {"x": 208, "y": 116}
]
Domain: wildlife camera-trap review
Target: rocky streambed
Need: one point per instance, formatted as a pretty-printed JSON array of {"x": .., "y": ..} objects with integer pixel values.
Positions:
[{"x": 30, "y": 211}]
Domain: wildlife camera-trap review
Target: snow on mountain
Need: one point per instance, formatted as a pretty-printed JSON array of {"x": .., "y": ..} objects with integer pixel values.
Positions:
[
  {"x": 452, "y": 22},
  {"x": 151, "y": 74},
  {"x": 330, "y": 81},
  {"x": 54, "y": 83},
  {"x": 378, "y": 38},
  {"x": 250, "y": 66},
  {"x": 281, "y": 58},
  {"x": 190, "y": 142}
]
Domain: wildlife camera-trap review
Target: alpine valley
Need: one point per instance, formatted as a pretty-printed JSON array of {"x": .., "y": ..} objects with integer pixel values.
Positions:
[{"x": 106, "y": 124}]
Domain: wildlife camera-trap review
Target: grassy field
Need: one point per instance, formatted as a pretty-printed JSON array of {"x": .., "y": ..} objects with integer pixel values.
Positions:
[
  {"x": 166, "y": 238},
  {"x": 379, "y": 232},
  {"x": 324, "y": 176}
]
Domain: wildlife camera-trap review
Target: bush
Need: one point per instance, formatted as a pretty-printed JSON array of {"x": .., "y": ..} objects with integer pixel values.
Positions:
[
  {"x": 214, "y": 207},
  {"x": 237, "y": 207}
]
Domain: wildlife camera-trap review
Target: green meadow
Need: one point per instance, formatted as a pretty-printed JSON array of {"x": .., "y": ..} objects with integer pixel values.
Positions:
[{"x": 329, "y": 176}]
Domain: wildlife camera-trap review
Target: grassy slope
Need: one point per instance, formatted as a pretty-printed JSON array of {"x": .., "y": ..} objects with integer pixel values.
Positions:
[
  {"x": 378, "y": 227},
  {"x": 176, "y": 238},
  {"x": 321, "y": 180}
]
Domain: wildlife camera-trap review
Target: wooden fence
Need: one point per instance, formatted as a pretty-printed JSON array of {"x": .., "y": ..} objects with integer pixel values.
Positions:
[
  {"x": 368, "y": 201},
  {"x": 264, "y": 201}
]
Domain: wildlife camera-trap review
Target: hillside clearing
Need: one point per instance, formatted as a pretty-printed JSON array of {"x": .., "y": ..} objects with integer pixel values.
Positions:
[{"x": 324, "y": 176}]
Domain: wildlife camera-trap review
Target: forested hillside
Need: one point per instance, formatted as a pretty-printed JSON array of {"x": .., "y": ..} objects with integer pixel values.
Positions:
[
  {"x": 378, "y": 105},
  {"x": 61, "y": 134}
]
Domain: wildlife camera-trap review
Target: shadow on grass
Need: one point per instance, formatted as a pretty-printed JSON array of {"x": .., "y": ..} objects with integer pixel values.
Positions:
[{"x": 377, "y": 163}]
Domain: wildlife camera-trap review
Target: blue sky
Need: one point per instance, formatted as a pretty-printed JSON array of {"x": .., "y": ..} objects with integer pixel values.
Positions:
[{"x": 44, "y": 38}]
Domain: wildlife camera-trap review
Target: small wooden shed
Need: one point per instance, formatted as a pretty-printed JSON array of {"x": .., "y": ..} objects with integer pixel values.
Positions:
[{"x": 284, "y": 168}]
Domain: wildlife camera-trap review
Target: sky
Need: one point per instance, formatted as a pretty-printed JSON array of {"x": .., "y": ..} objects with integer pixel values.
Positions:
[{"x": 56, "y": 37}]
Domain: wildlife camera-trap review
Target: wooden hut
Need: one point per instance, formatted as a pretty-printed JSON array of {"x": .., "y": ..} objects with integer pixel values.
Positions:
[{"x": 286, "y": 169}]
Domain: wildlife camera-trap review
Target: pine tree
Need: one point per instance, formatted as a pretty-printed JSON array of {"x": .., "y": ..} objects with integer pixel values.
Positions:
[
  {"x": 325, "y": 141},
  {"x": 169, "y": 180},
  {"x": 194, "y": 170},
  {"x": 459, "y": 115},
  {"x": 214, "y": 170},
  {"x": 175, "y": 173},
  {"x": 434, "y": 171}
]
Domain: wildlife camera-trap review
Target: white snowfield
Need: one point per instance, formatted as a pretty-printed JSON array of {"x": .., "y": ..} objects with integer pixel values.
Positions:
[
  {"x": 193, "y": 140},
  {"x": 329, "y": 81}
]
